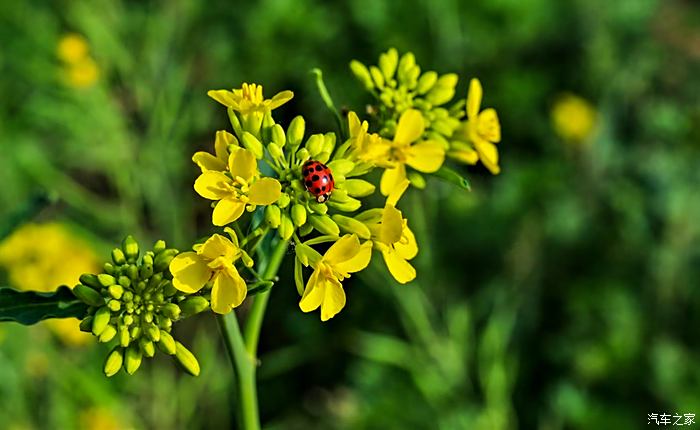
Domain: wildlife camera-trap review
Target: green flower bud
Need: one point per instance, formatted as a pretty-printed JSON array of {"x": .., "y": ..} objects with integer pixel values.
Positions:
[
  {"x": 106, "y": 280},
  {"x": 124, "y": 282},
  {"x": 118, "y": 256},
  {"x": 303, "y": 155},
  {"x": 278, "y": 136},
  {"x": 444, "y": 89},
  {"x": 298, "y": 214},
  {"x": 169, "y": 290},
  {"x": 90, "y": 280},
  {"x": 132, "y": 272},
  {"x": 252, "y": 144},
  {"x": 362, "y": 74},
  {"x": 284, "y": 200},
  {"x": 132, "y": 360},
  {"x": 407, "y": 62},
  {"x": 186, "y": 359},
  {"x": 152, "y": 332},
  {"x": 319, "y": 208},
  {"x": 100, "y": 320},
  {"x": 107, "y": 334},
  {"x": 340, "y": 195},
  {"x": 417, "y": 180},
  {"x": 314, "y": 145},
  {"x": 127, "y": 296},
  {"x": 116, "y": 290},
  {"x": 159, "y": 246},
  {"x": 324, "y": 224},
  {"x": 131, "y": 248},
  {"x": 388, "y": 62},
  {"x": 193, "y": 305},
  {"x": 135, "y": 331},
  {"x": 350, "y": 206},
  {"x": 426, "y": 82},
  {"x": 341, "y": 167},
  {"x": 286, "y": 228},
  {"x": 351, "y": 225},
  {"x": 154, "y": 281},
  {"x": 148, "y": 317},
  {"x": 165, "y": 323},
  {"x": 272, "y": 216},
  {"x": 163, "y": 260},
  {"x": 358, "y": 187},
  {"x": 146, "y": 270},
  {"x": 295, "y": 132},
  {"x": 88, "y": 295},
  {"x": 114, "y": 305},
  {"x": 328, "y": 143},
  {"x": 86, "y": 324},
  {"x": 114, "y": 361},
  {"x": 147, "y": 347},
  {"x": 298, "y": 186},
  {"x": 305, "y": 229},
  {"x": 377, "y": 76},
  {"x": 267, "y": 123},
  {"x": 170, "y": 310},
  {"x": 275, "y": 151},
  {"x": 167, "y": 343},
  {"x": 124, "y": 338},
  {"x": 109, "y": 268}
]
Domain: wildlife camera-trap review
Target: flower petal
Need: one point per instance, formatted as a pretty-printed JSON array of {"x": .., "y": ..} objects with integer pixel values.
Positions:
[
  {"x": 265, "y": 191},
  {"x": 359, "y": 261},
  {"x": 393, "y": 198},
  {"x": 313, "y": 293},
  {"x": 488, "y": 154},
  {"x": 224, "y": 97},
  {"x": 410, "y": 128},
  {"x": 190, "y": 272},
  {"x": 399, "y": 268},
  {"x": 391, "y": 179},
  {"x": 488, "y": 125},
  {"x": 343, "y": 249},
  {"x": 217, "y": 246},
  {"x": 207, "y": 161},
  {"x": 242, "y": 163},
  {"x": 426, "y": 156},
  {"x": 212, "y": 185},
  {"x": 333, "y": 300},
  {"x": 392, "y": 225},
  {"x": 280, "y": 98},
  {"x": 221, "y": 142},
  {"x": 227, "y": 211},
  {"x": 474, "y": 98},
  {"x": 228, "y": 292}
]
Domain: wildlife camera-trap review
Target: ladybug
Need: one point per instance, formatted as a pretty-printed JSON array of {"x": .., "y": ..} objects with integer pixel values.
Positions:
[{"x": 318, "y": 180}]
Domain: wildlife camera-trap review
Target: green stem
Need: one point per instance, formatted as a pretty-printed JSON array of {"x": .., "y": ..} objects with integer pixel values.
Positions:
[
  {"x": 242, "y": 350},
  {"x": 326, "y": 96}
]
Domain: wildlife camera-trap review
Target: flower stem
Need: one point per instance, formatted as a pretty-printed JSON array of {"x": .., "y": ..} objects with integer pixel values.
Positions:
[{"x": 242, "y": 350}]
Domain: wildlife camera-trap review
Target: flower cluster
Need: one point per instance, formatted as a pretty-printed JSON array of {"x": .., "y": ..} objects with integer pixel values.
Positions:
[
  {"x": 79, "y": 68},
  {"x": 267, "y": 180},
  {"x": 134, "y": 304}
]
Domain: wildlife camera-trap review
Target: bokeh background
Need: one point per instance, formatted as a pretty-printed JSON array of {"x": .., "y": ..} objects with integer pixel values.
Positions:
[{"x": 561, "y": 294}]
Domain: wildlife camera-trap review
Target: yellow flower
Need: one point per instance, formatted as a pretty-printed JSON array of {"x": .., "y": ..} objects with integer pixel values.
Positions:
[
  {"x": 407, "y": 148},
  {"x": 368, "y": 148},
  {"x": 573, "y": 118},
  {"x": 213, "y": 262},
  {"x": 324, "y": 288},
  {"x": 82, "y": 74},
  {"x": 482, "y": 129},
  {"x": 218, "y": 162},
  {"x": 234, "y": 194},
  {"x": 249, "y": 99},
  {"x": 72, "y": 48}
]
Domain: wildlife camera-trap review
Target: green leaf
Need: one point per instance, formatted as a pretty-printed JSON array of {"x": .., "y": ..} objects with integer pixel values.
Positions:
[
  {"x": 30, "y": 307},
  {"x": 453, "y": 177}
]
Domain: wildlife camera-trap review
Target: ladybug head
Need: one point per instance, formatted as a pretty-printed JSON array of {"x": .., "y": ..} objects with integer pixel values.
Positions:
[{"x": 322, "y": 198}]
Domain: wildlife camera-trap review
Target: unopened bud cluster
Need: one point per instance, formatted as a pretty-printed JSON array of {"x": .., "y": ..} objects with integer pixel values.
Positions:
[{"x": 134, "y": 302}]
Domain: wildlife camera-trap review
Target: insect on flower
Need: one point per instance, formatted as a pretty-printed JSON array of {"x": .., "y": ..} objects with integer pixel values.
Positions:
[{"x": 318, "y": 180}]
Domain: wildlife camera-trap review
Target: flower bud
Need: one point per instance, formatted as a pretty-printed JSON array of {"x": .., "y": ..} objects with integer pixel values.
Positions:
[
  {"x": 417, "y": 180},
  {"x": 328, "y": 143},
  {"x": 341, "y": 167},
  {"x": 362, "y": 74},
  {"x": 166, "y": 343},
  {"x": 324, "y": 224},
  {"x": 277, "y": 136},
  {"x": 164, "y": 323},
  {"x": 109, "y": 268},
  {"x": 276, "y": 152},
  {"x": 407, "y": 62},
  {"x": 284, "y": 200},
  {"x": 319, "y": 208},
  {"x": 298, "y": 214},
  {"x": 340, "y": 195},
  {"x": 314, "y": 145},
  {"x": 303, "y": 155},
  {"x": 100, "y": 320},
  {"x": 147, "y": 347},
  {"x": 106, "y": 280},
  {"x": 186, "y": 359},
  {"x": 159, "y": 246},
  {"x": 131, "y": 248},
  {"x": 132, "y": 360},
  {"x": 90, "y": 280},
  {"x": 170, "y": 310},
  {"x": 116, "y": 291},
  {"x": 124, "y": 282},
  {"x": 388, "y": 62},
  {"x": 247, "y": 261},
  {"x": 86, "y": 324},
  {"x": 88, "y": 295},
  {"x": 114, "y": 305},
  {"x": 272, "y": 216},
  {"x": 350, "y": 206},
  {"x": 132, "y": 272},
  {"x": 444, "y": 89},
  {"x": 163, "y": 260},
  {"x": 359, "y": 187},
  {"x": 426, "y": 82},
  {"x": 193, "y": 305},
  {"x": 306, "y": 229},
  {"x": 114, "y": 361},
  {"x": 252, "y": 144},
  {"x": 286, "y": 228},
  {"x": 295, "y": 132},
  {"x": 107, "y": 334},
  {"x": 152, "y": 331},
  {"x": 351, "y": 225},
  {"x": 146, "y": 269},
  {"x": 118, "y": 256},
  {"x": 267, "y": 123},
  {"x": 124, "y": 337},
  {"x": 377, "y": 76}
]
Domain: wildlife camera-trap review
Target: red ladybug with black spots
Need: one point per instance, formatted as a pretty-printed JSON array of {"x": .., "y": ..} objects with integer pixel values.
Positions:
[{"x": 318, "y": 180}]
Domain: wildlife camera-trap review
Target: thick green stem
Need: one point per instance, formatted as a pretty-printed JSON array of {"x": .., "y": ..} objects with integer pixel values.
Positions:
[{"x": 243, "y": 350}]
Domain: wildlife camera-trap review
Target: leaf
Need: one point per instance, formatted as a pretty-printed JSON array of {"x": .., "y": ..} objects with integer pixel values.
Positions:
[
  {"x": 30, "y": 307},
  {"x": 451, "y": 176}
]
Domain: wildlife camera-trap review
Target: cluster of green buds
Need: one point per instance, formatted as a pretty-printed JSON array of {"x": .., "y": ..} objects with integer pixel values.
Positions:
[{"x": 134, "y": 304}]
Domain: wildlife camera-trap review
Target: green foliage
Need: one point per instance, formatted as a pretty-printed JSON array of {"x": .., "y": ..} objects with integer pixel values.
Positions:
[{"x": 30, "y": 307}]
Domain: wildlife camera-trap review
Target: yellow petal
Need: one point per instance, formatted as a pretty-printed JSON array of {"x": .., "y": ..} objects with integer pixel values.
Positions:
[
  {"x": 407, "y": 247},
  {"x": 228, "y": 292},
  {"x": 488, "y": 154},
  {"x": 426, "y": 157},
  {"x": 206, "y": 161},
  {"x": 355, "y": 127},
  {"x": 218, "y": 246},
  {"x": 280, "y": 98},
  {"x": 392, "y": 225},
  {"x": 488, "y": 126},
  {"x": 313, "y": 293},
  {"x": 224, "y": 97},
  {"x": 227, "y": 211},
  {"x": 474, "y": 98},
  {"x": 212, "y": 185},
  {"x": 242, "y": 163},
  {"x": 333, "y": 300},
  {"x": 265, "y": 191},
  {"x": 468, "y": 156},
  {"x": 392, "y": 179},
  {"x": 399, "y": 268},
  {"x": 410, "y": 128},
  {"x": 190, "y": 272},
  {"x": 396, "y": 194},
  {"x": 343, "y": 249},
  {"x": 221, "y": 142},
  {"x": 359, "y": 261}
]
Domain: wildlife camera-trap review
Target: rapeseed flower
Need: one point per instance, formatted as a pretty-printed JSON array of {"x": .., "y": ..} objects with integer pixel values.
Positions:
[
  {"x": 482, "y": 129},
  {"x": 249, "y": 98},
  {"x": 573, "y": 118},
  {"x": 224, "y": 144}
]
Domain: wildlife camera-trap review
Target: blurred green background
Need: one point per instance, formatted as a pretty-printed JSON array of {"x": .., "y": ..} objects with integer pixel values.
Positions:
[{"x": 561, "y": 294}]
